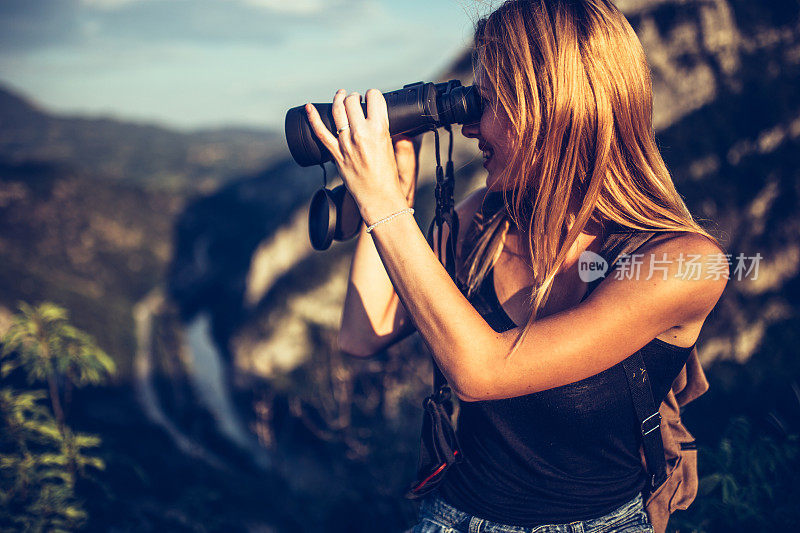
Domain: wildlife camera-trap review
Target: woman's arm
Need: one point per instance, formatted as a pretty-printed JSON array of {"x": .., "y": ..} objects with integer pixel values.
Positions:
[
  {"x": 618, "y": 318},
  {"x": 373, "y": 317}
]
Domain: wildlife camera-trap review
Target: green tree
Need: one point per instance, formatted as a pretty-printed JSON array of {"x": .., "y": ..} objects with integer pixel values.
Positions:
[
  {"x": 36, "y": 486},
  {"x": 49, "y": 349},
  {"x": 40, "y": 455}
]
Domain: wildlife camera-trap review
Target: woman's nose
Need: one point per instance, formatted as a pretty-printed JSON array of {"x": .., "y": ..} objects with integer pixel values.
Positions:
[{"x": 471, "y": 131}]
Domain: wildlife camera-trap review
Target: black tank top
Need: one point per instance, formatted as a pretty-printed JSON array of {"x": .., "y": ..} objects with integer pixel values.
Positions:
[{"x": 564, "y": 454}]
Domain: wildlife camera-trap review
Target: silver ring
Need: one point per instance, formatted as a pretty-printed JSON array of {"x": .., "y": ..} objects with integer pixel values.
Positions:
[{"x": 340, "y": 130}]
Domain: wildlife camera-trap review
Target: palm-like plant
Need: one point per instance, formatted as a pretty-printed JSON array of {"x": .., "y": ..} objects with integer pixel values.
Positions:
[
  {"x": 36, "y": 481},
  {"x": 40, "y": 456},
  {"x": 25, "y": 424},
  {"x": 49, "y": 349}
]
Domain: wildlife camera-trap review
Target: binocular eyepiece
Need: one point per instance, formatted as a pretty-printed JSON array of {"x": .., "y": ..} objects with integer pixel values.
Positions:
[{"x": 416, "y": 108}]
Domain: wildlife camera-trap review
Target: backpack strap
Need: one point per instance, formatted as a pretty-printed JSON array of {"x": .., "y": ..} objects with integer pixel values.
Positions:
[
  {"x": 648, "y": 417},
  {"x": 491, "y": 204},
  {"x": 618, "y": 243},
  {"x": 439, "y": 447}
]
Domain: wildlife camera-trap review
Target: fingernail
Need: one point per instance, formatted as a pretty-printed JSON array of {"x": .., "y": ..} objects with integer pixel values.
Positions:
[{"x": 308, "y": 108}]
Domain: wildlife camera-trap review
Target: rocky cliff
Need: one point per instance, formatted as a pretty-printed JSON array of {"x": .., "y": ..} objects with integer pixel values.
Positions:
[{"x": 228, "y": 275}]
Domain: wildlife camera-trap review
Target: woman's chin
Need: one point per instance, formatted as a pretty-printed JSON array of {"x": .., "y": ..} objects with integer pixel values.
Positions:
[{"x": 493, "y": 183}]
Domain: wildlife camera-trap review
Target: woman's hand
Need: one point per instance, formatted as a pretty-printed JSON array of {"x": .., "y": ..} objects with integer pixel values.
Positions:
[{"x": 363, "y": 153}]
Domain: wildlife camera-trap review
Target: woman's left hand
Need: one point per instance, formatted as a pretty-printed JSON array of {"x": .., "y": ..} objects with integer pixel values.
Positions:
[{"x": 363, "y": 152}]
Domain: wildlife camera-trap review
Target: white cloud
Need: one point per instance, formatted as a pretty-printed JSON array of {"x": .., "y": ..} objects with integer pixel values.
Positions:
[
  {"x": 290, "y": 7},
  {"x": 107, "y": 4},
  {"x": 296, "y": 7}
]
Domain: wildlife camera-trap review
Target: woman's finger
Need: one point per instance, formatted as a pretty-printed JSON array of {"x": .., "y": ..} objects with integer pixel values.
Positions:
[
  {"x": 355, "y": 113},
  {"x": 322, "y": 132},
  {"x": 376, "y": 107},
  {"x": 338, "y": 112}
]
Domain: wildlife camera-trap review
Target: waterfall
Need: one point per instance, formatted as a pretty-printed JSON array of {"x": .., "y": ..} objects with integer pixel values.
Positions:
[
  {"x": 209, "y": 381},
  {"x": 146, "y": 394}
]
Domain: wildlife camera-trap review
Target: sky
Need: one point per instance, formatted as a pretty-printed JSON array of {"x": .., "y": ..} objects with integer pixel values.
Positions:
[{"x": 208, "y": 63}]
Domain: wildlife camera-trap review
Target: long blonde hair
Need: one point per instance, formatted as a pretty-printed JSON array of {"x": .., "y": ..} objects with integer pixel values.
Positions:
[{"x": 572, "y": 78}]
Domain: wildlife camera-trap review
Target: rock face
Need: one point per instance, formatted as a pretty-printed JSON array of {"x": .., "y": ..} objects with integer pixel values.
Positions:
[
  {"x": 87, "y": 207},
  {"x": 726, "y": 75},
  {"x": 95, "y": 246},
  {"x": 725, "y": 81},
  {"x": 728, "y": 121}
]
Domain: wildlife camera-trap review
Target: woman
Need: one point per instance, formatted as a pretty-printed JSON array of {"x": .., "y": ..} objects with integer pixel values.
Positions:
[{"x": 546, "y": 424}]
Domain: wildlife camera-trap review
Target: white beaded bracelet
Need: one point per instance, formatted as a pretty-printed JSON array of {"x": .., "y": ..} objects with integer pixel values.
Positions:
[{"x": 390, "y": 217}]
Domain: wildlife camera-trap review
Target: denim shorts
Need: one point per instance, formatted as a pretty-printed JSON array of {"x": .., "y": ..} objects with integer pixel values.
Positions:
[{"x": 438, "y": 516}]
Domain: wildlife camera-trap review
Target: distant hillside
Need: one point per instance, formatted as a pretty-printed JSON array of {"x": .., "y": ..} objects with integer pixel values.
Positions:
[
  {"x": 88, "y": 206},
  {"x": 131, "y": 152},
  {"x": 94, "y": 246}
]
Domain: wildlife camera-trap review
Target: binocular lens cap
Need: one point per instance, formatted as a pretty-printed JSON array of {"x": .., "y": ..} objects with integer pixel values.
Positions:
[
  {"x": 333, "y": 214},
  {"x": 321, "y": 220}
]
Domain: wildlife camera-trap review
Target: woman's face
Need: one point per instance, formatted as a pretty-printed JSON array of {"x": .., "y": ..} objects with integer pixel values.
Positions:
[{"x": 494, "y": 133}]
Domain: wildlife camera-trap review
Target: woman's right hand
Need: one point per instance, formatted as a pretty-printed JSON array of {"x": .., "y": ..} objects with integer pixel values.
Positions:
[{"x": 406, "y": 153}]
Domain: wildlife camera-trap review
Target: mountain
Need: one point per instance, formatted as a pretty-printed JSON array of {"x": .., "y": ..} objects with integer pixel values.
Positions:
[
  {"x": 88, "y": 206},
  {"x": 130, "y": 152}
]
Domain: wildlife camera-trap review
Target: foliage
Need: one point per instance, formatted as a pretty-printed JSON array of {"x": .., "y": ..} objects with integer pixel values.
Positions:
[
  {"x": 48, "y": 348},
  {"x": 749, "y": 480},
  {"x": 40, "y": 456}
]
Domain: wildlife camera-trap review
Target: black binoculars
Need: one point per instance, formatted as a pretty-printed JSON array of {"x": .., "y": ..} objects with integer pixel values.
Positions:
[{"x": 414, "y": 109}]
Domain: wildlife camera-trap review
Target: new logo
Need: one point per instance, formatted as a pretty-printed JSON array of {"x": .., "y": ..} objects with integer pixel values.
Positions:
[{"x": 591, "y": 266}]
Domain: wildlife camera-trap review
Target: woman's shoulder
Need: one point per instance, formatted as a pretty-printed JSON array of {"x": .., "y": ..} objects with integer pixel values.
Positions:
[
  {"x": 686, "y": 266},
  {"x": 682, "y": 243}
]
